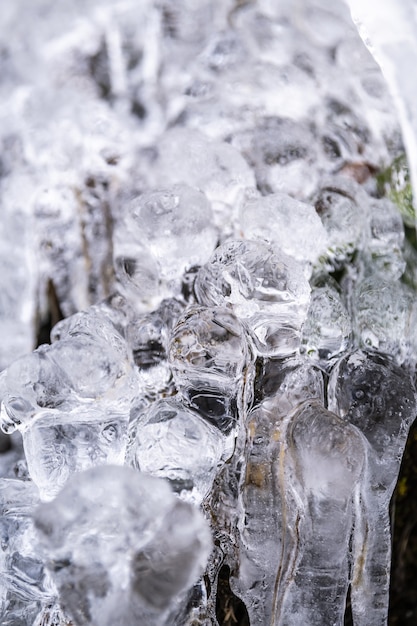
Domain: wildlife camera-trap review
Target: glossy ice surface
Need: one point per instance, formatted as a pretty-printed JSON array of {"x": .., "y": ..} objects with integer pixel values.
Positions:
[{"x": 195, "y": 202}]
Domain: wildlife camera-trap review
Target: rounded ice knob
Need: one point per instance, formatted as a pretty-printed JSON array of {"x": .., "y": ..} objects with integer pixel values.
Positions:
[
  {"x": 264, "y": 287},
  {"x": 121, "y": 547}
]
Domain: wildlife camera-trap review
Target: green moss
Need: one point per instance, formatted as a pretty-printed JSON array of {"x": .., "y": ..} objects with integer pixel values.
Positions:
[{"x": 394, "y": 183}]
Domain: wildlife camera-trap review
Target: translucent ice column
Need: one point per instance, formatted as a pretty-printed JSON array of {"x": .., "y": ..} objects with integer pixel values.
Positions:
[
  {"x": 326, "y": 461},
  {"x": 304, "y": 475},
  {"x": 19, "y": 271},
  {"x": 378, "y": 397},
  {"x": 269, "y": 510}
]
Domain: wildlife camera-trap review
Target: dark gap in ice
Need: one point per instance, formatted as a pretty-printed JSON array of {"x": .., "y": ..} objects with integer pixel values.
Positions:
[
  {"x": 305, "y": 63},
  {"x": 138, "y": 109},
  {"x": 149, "y": 355},
  {"x": 134, "y": 58},
  {"x": 208, "y": 585},
  {"x": 178, "y": 485},
  {"x": 3, "y": 167},
  {"x": 331, "y": 147},
  {"x": 230, "y": 610},
  {"x": 263, "y": 188},
  {"x": 129, "y": 266},
  {"x": 53, "y": 316},
  {"x": 5, "y": 442},
  {"x": 187, "y": 288},
  {"x": 220, "y": 411},
  {"x": 259, "y": 392},
  {"x": 325, "y": 388},
  {"x": 404, "y": 534},
  {"x": 348, "y": 621},
  {"x": 99, "y": 70},
  {"x": 338, "y": 274},
  {"x": 332, "y": 53},
  {"x": 169, "y": 23},
  {"x": 411, "y": 235}
]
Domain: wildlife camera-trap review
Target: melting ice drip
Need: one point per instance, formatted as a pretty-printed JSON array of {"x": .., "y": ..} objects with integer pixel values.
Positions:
[{"x": 216, "y": 438}]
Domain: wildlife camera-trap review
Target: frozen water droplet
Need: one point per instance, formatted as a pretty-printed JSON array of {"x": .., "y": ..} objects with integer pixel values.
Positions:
[
  {"x": 382, "y": 314},
  {"x": 283, "y": 384},
  {"x": 176, "y": 443},
  {"x": 282, "y": 150},
  {"x": 386, "y": 240},
  {"x": 71, "y": 400},
  {"x": 176, "y": 225},
  {"x": 217, "y": 168},
  {"x": 327, "y": 332},
  {"x": 58, "y": 444},
  {"x": 30, "y": 384},
  {"x": 211, "y": 362},
  {"x": 264, "y": 287},
  {"x": 148, "y": 334},
  {"x": 137, "y": 272},
  {"x": 294, "y": 226},
  {"x": 342, "y": 207}
]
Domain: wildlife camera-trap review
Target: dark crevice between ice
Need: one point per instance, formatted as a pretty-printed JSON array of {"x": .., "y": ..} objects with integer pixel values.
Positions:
[
  {"x": 230, "y": 610},
  {"x": 51, "y": 317},
  {"x": 348, "y": 621}
]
